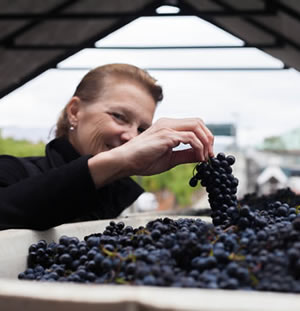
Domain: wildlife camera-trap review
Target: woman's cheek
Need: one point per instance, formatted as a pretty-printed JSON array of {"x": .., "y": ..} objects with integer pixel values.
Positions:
[{"x": 99, "y": 144}]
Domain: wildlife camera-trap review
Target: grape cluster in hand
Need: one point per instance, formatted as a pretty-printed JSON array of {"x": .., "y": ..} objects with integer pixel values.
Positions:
[{"x": 221, "y": 185}]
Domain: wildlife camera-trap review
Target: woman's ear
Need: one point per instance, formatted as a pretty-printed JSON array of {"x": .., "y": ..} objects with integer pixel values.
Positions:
[{"x": 73, "y": 109}]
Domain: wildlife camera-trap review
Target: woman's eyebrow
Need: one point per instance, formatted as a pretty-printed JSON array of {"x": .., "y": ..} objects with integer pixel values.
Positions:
[{"x": 128, "y": 112}]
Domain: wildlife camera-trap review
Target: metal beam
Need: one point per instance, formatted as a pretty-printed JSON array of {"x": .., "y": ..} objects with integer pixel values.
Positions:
[
  {"x": 145, "y": 48},
  {"x": 9, "y": 39},
  {"x": 68, "y": 16},
  {"x": 178, "y": 47},
  {"x": 188, "y": 68},
  {"x": 283, "y": 7},
  {"x": 90, "y": 42},
  {"x": 278, "y": 36}
]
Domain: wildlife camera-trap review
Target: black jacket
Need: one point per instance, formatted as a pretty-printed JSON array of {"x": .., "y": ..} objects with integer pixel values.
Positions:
[{"x": 43, "y": 192}]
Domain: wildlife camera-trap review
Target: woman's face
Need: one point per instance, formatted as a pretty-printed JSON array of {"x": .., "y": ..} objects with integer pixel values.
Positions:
[{"x": 124, "y": 111}]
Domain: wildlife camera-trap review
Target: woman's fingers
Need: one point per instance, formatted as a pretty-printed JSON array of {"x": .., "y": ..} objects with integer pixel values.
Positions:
[
  {"x": 174, "y": 138},
  {"x": 209, "y": 138},
  {"x": 193, "y": 125},
  {"x": 183, "y": 156}
]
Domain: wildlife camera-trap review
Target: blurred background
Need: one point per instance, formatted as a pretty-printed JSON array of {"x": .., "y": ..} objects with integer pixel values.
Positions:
[{"x": 234, "y": 64}]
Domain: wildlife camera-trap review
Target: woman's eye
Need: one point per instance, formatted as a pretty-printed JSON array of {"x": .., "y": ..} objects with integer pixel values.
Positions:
[
  {"x": 141, "y": 129},
  {"x": 118, "y": 116}
]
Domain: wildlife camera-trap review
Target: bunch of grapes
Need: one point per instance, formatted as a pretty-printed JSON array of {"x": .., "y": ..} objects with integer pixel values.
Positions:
[{"x": 221, "y": 185}]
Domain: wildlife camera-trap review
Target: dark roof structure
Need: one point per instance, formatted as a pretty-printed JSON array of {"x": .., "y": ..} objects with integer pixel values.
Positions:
[{"x": 35, "y": 35}]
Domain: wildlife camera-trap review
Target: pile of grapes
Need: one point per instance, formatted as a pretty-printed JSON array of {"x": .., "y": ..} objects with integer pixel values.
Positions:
[{"x": 249, "y": 247}]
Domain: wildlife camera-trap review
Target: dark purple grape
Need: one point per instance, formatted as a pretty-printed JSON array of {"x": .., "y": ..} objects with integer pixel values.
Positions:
[
  {"x": 193, "y": 181},
  {"x": 230, "y": 159},
  {"x": 221, "y": 156}
]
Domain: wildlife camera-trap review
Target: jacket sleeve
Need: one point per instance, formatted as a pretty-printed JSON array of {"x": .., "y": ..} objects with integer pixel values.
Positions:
[
  {"x": 118, "y": 195},
  {"x": 46, "y": 200}
]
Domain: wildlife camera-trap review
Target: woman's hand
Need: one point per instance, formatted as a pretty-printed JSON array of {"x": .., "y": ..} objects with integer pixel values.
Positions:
[{"x": 152, "y": 151}]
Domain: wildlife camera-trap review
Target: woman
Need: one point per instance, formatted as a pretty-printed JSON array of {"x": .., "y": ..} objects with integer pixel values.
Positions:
[{"x": 103, "y": 136}]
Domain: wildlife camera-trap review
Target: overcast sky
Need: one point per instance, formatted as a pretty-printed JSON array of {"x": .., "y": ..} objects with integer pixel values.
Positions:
[{"x": 260, "y": 103}]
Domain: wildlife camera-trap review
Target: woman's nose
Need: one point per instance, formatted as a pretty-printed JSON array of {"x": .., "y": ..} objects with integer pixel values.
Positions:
[{"x": 129, "y": 133}]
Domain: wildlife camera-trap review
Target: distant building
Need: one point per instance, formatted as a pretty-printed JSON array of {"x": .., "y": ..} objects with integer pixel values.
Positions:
[
  {"x": 276, "y": 164},
  {"x": 289, "y": 141},
  {"x": 270, "y": 180}
]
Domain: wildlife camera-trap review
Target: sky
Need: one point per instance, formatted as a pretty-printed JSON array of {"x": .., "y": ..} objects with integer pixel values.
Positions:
[{"x": 259, "y": 103}]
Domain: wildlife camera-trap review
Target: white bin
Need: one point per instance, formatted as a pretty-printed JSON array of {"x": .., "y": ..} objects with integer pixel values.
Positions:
[{"x": 16, "y": 295}]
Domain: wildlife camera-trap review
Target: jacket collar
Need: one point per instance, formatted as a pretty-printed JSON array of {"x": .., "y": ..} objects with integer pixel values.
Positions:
[{"x": 60, "y": 151}]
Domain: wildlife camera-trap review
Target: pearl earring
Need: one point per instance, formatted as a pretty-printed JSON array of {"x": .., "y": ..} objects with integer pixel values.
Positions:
[{"x": 72, "y": 128}]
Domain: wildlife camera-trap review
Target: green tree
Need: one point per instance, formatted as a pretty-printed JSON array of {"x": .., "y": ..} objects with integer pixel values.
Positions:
[
  {"x": 21, "y": 148},
  {"x": 175, "y": 180},
  {"x": 274, "y": 143}
]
